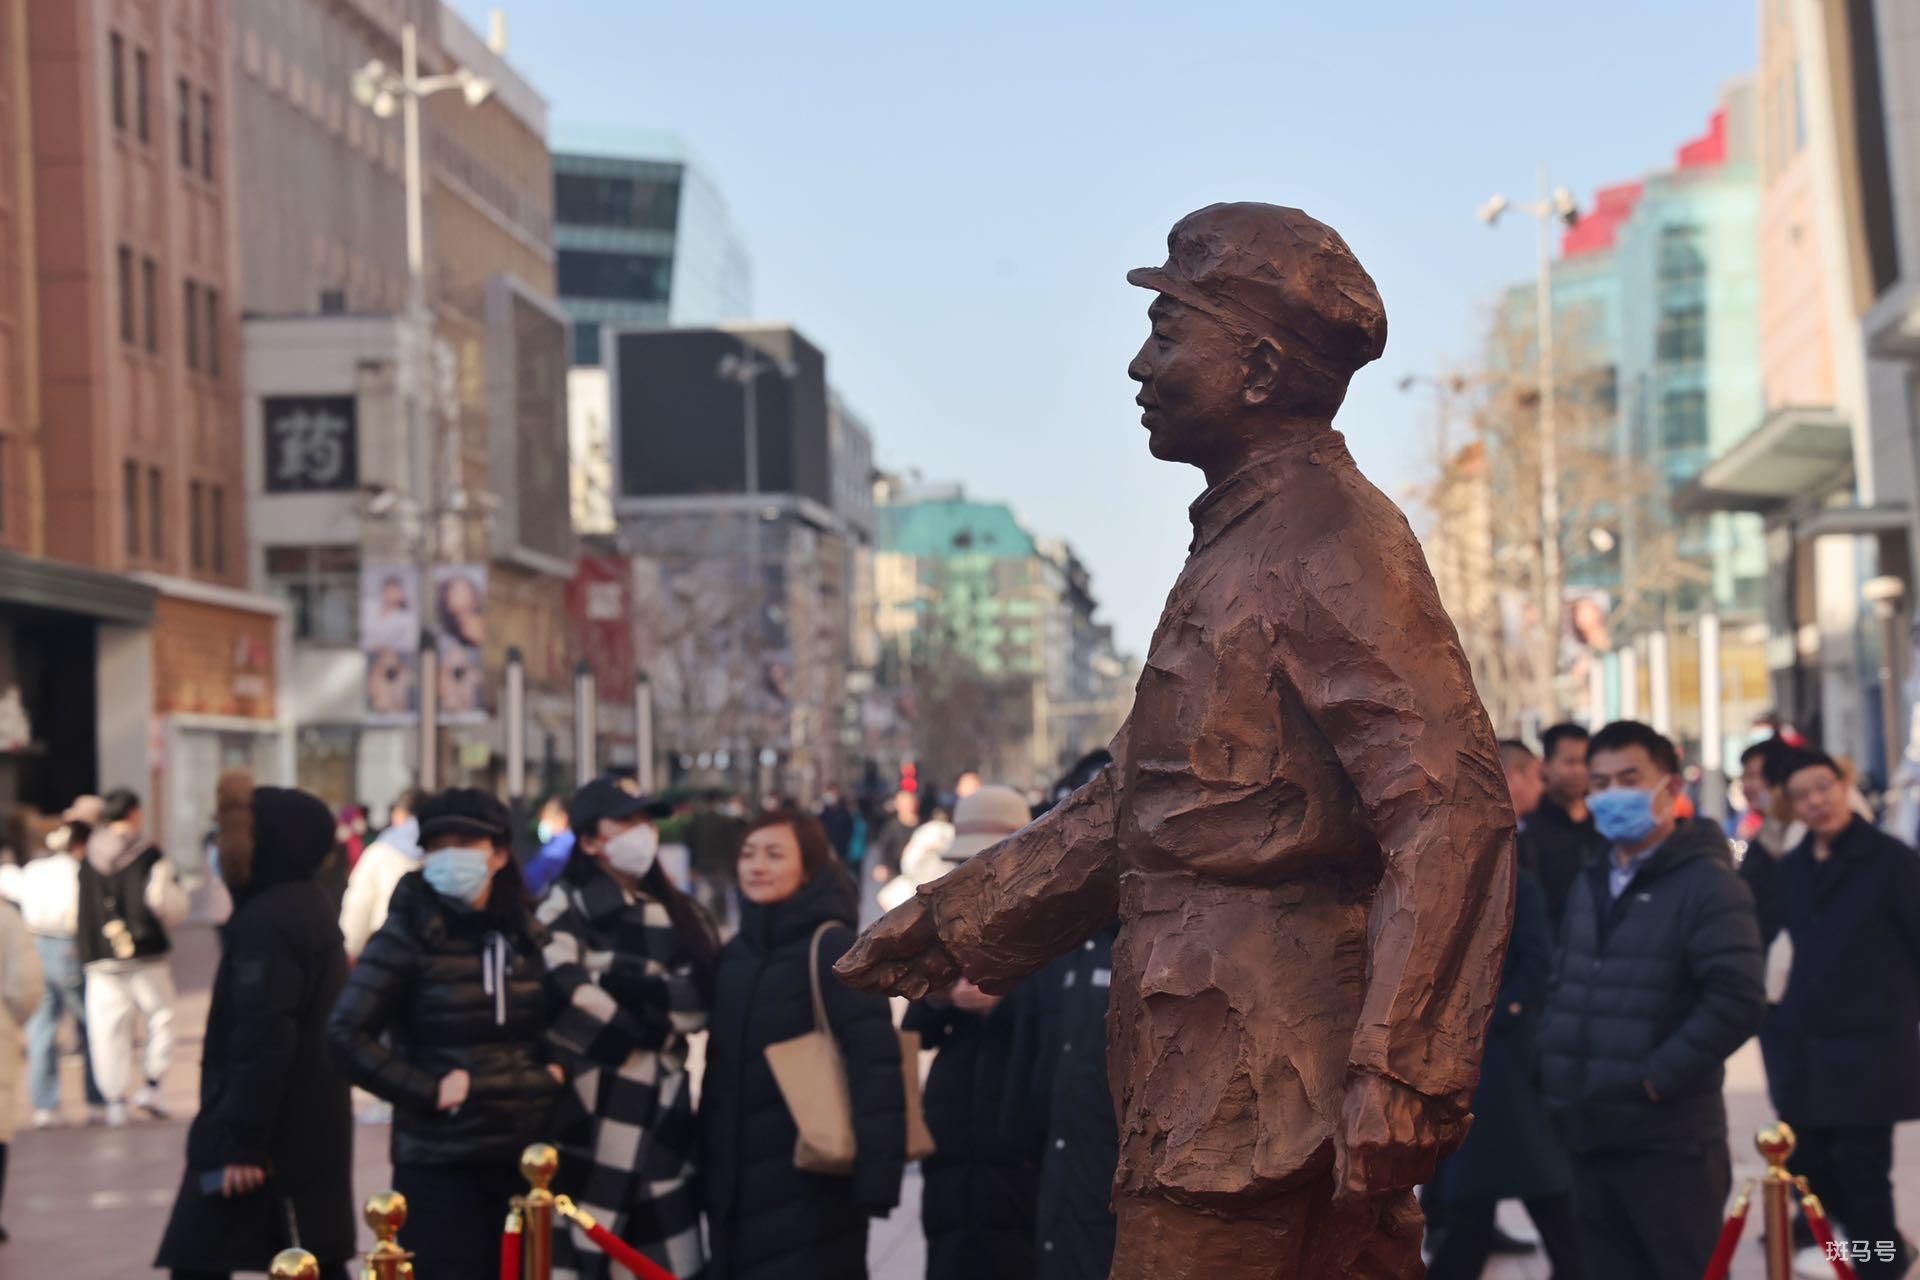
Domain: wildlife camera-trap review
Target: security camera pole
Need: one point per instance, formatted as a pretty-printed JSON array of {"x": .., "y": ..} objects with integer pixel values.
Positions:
[
  {"x": 1555, "y": 206},
  {"x": 380, "y": 89}
]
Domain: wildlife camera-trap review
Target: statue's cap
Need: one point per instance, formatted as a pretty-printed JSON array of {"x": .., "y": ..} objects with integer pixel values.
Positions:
[{"x": 1272, "y": 272}]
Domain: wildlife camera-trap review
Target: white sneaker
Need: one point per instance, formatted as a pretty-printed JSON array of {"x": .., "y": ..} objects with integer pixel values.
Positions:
[
  {"x": 116, "y": 1115},
  {"x": 148, "y": 1101},
  {"x": 43, "y": 1119}
]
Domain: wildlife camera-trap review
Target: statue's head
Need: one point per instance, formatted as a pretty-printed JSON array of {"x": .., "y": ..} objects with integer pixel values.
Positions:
[{"x": 1263, "y": 316}]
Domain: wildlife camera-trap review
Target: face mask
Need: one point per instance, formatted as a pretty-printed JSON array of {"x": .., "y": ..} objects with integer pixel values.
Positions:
[
  {"x": 633, "y": 850},
  {"x": 546, "y": 832},
  {"x": 1622, "y": 815},
  {"x": 460, "y": 874}
]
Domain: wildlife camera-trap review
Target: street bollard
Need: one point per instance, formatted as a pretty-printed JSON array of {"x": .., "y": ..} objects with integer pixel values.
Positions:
[
  {"x": 538, "y": 1163},
  {"x": 386, "y": 1213},
  {"x": 1775, "y": 1145},
  {"x": 294, "y": 1264}
]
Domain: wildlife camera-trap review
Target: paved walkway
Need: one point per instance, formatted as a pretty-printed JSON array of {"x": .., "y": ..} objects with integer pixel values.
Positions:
[{"x": 89, "y": 1204}]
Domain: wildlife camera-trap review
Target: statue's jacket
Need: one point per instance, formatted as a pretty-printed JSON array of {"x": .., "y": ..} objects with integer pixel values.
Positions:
[{"x": 1305, "y": 831}]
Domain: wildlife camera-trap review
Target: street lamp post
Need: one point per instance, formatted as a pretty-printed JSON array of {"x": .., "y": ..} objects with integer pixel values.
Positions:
[
  {"x": 385, "y": 91},
  {"x": 746, "y": 367},
  {"x": 1554, "y": 207}
]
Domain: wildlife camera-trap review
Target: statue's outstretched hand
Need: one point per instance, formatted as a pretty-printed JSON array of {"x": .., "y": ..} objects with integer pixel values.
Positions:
[
  {"x": 900, "y": 955},
  {"x": 1391, "y": 1137}
]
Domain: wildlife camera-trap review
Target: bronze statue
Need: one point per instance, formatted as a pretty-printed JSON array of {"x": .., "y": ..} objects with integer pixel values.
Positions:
[{"x": 1305, "y": 830}]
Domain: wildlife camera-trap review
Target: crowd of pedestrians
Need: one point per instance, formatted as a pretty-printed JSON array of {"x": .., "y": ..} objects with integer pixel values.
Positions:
[{"x": 495, "y": 988}]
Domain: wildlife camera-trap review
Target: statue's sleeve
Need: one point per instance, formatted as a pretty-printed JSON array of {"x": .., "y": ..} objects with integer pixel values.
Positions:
[
  {"x": 1379, "y": 666},
  {"x": 1036, "y": 894}
]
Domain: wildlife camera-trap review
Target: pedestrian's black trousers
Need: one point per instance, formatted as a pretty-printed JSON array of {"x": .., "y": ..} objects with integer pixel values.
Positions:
[
  {"x": 1650, "y": 1215},
  {"x": 454, "y": 1216},
  {"x": 1851, "y": 1170},
  {"x": 1466, "y": 1241}
]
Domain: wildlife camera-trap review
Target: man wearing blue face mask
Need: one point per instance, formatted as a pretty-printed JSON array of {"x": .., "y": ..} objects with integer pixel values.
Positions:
[{"x": 1659, "y": 983}]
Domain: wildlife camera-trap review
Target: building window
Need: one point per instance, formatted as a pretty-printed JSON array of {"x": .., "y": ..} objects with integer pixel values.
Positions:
[
  {"x": 130, "y": 505},
  {"x": 206, "y": 135},
  {"x": 117, "y": 58},
  {"x": 141, "y": 122},
  {"x": 213, "y": 331},
  {"x": 1683, "y": 420},
  {"x": 193, "y": 325},
  {"x": 149, "y": 303},
  {"x": 126, "y": 294},
  {"x": 1682, "y": 259},
  {"x": 592, "y": 200},
  {"x": 321, "y": 586},
  {"x": 1682, "y": 336},
  {"x": 219, "y": 529},
  {"x": 196, "y": 546},
  {"x": 156, "y": 509},
  {"x": 625, "y": 277},
  {"x": 586, "y": 342},
  {"x": 184, "y": 124}
]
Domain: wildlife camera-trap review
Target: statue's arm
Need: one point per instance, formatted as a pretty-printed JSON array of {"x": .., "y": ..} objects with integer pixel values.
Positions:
[
  {"x": 1379, "y": 666},
  {"x": 1037, "y": 893},
  {"x": 1006, "y": 911}
]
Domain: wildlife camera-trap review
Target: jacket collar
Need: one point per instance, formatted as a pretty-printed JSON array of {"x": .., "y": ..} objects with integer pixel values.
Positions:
[{"x": 1262, "y": 477}]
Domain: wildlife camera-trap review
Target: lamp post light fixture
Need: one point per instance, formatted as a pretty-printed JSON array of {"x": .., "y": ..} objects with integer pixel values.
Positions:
[
  {"x": 586, "y": 731},
  {"x": 386, "y": 90},
  {"x": 1554, "y": 208},
  {"x": 1885, "y": 594},
  {"x": 514, "y": 714},
  {"x": 643, "y": 732}
]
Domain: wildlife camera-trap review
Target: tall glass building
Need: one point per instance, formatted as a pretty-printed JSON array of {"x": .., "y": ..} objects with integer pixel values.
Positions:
[{"x": 643, "y": 240}]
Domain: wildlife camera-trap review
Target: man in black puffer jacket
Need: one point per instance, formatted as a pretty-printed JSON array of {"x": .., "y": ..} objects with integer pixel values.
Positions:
[
  {"x": 454, "y": 982},
  {"x": 1659, "y": 983}
]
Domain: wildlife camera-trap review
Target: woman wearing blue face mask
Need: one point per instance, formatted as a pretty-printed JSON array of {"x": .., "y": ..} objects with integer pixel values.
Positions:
[{"x": 454, "y": 983}]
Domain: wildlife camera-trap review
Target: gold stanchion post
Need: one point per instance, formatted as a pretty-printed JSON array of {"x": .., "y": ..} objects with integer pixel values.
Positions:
[
  {"x": 294, "y": 1264},
  {"x": 386, "y": 1213},
  {"x": 1777, "y": 1188},
  {"x": 538, "y": 1163}
]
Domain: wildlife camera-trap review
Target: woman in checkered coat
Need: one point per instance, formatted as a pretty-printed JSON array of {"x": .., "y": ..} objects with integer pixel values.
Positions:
[{"x": 630, "y": 963}]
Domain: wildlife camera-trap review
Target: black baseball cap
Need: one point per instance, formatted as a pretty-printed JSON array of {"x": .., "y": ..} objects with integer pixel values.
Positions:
[
  {"x": 605, "y": 799},
  {"x": 464, "y": 811}
]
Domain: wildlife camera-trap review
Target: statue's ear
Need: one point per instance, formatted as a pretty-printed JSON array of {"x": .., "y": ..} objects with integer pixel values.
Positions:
[{"x": 1264, "y": 364}]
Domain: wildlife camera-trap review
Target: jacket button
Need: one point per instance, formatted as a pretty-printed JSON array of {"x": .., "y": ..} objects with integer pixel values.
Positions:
[
  {"x": 1596, "y": 966},
  {"x": 1059, "y": 1144},
  {"x": 1048, "y": 1246},
  {"x": 1067, "y": 1047}
]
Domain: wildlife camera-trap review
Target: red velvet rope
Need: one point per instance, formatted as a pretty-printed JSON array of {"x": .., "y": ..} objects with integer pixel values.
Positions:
[
  {"x": 510, "y": 1250},
  {"x": 625, "y": 1254},
  {"x": 1729, "y": 1241},
  {"x": 1823, "y": 1236}
]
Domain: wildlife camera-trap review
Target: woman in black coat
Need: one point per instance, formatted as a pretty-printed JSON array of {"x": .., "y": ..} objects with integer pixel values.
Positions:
[
  {"x": 443, "y": 1017},
  {"x": 767, "y": 1220},
  {"x": 977, "y": 1202},
  {"x": 274, "y": 1134},
  {"x": 1845, "y": 1037}
]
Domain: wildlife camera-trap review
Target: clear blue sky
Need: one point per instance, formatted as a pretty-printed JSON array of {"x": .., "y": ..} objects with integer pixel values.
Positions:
[{"x": 947, "y": 197}]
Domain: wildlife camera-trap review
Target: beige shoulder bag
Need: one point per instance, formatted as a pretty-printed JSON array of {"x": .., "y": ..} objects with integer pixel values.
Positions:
[{"x": 813, "y": 1080}]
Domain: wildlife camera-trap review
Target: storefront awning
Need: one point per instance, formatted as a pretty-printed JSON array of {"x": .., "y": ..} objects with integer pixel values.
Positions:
[
  {"x": 1793, "y": 454},
  {"x": 68, "y": 588}
]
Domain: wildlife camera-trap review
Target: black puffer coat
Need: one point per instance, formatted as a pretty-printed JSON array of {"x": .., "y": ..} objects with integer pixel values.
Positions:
[
  {"x": 767, "y": 1220},
  {"x": 1656, "y": 988},
  {"x": 423, "y": 982},
  {"x": 1060, "y": 1105},
  {"x": 1845, "y": 1038},
  {"x": 269, "y": 1094},
  {"x": 977, "y": 1205}
]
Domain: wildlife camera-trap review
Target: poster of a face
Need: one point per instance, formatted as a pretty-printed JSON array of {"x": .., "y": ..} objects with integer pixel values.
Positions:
[
  {"x": 460, "y": 628},
  {"x": 389, "y": 606}
]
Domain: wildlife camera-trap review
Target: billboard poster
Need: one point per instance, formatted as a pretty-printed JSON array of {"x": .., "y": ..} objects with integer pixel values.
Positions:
[
  {"x": 460, "y": 630},
  {"x": 390, "y": 639}
]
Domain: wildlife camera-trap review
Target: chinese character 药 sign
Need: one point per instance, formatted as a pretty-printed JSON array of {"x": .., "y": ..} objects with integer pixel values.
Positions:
[{"x": 310, "y": 444}]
